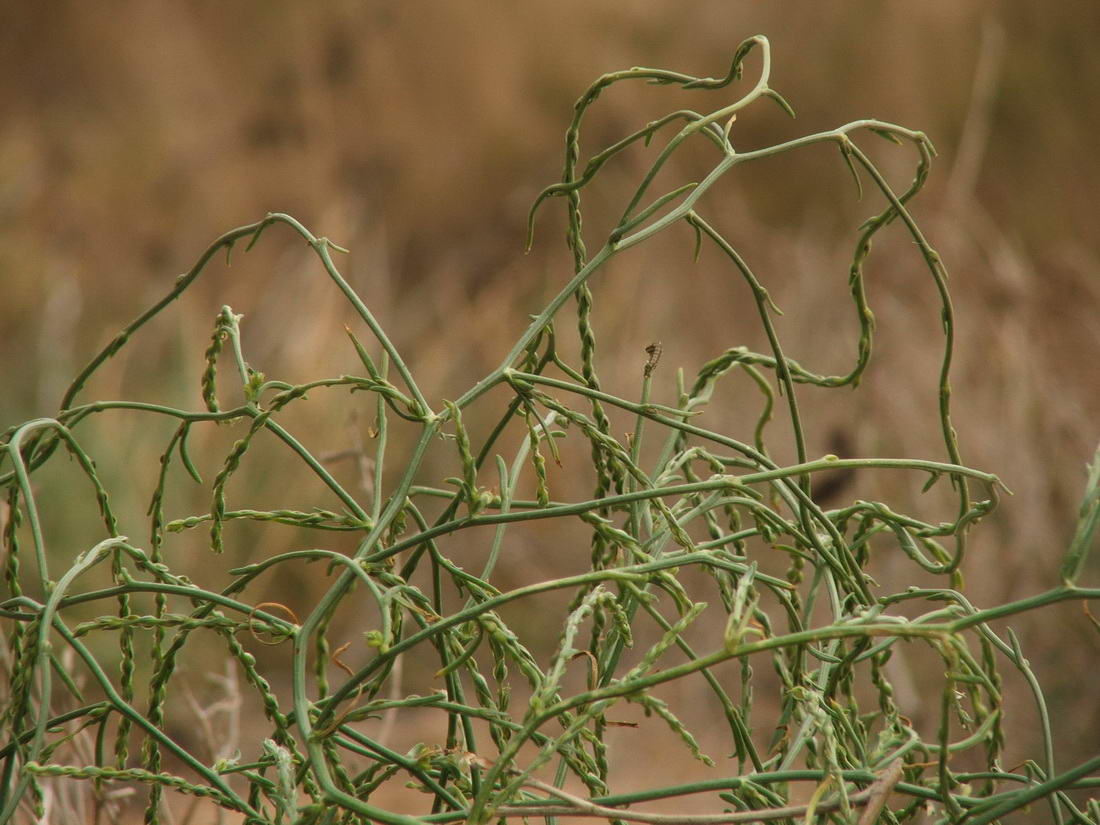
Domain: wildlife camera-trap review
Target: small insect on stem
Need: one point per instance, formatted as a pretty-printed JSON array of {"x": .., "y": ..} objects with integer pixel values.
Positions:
[{"x": 654, "y": 352}]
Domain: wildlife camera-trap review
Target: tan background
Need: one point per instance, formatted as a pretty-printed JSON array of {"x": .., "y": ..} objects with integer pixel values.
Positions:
[{"x": 417, "y": 134}]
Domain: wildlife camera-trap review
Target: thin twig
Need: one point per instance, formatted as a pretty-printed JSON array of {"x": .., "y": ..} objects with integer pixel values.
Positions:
[{"x": 874, "y": 797}]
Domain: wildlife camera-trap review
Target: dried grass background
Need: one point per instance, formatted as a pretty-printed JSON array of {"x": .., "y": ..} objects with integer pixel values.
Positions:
[{"x": 417, "y": 134}]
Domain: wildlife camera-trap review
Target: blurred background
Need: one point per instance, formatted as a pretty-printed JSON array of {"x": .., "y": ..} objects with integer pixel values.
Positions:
[{"x": 417, "y": 135}]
